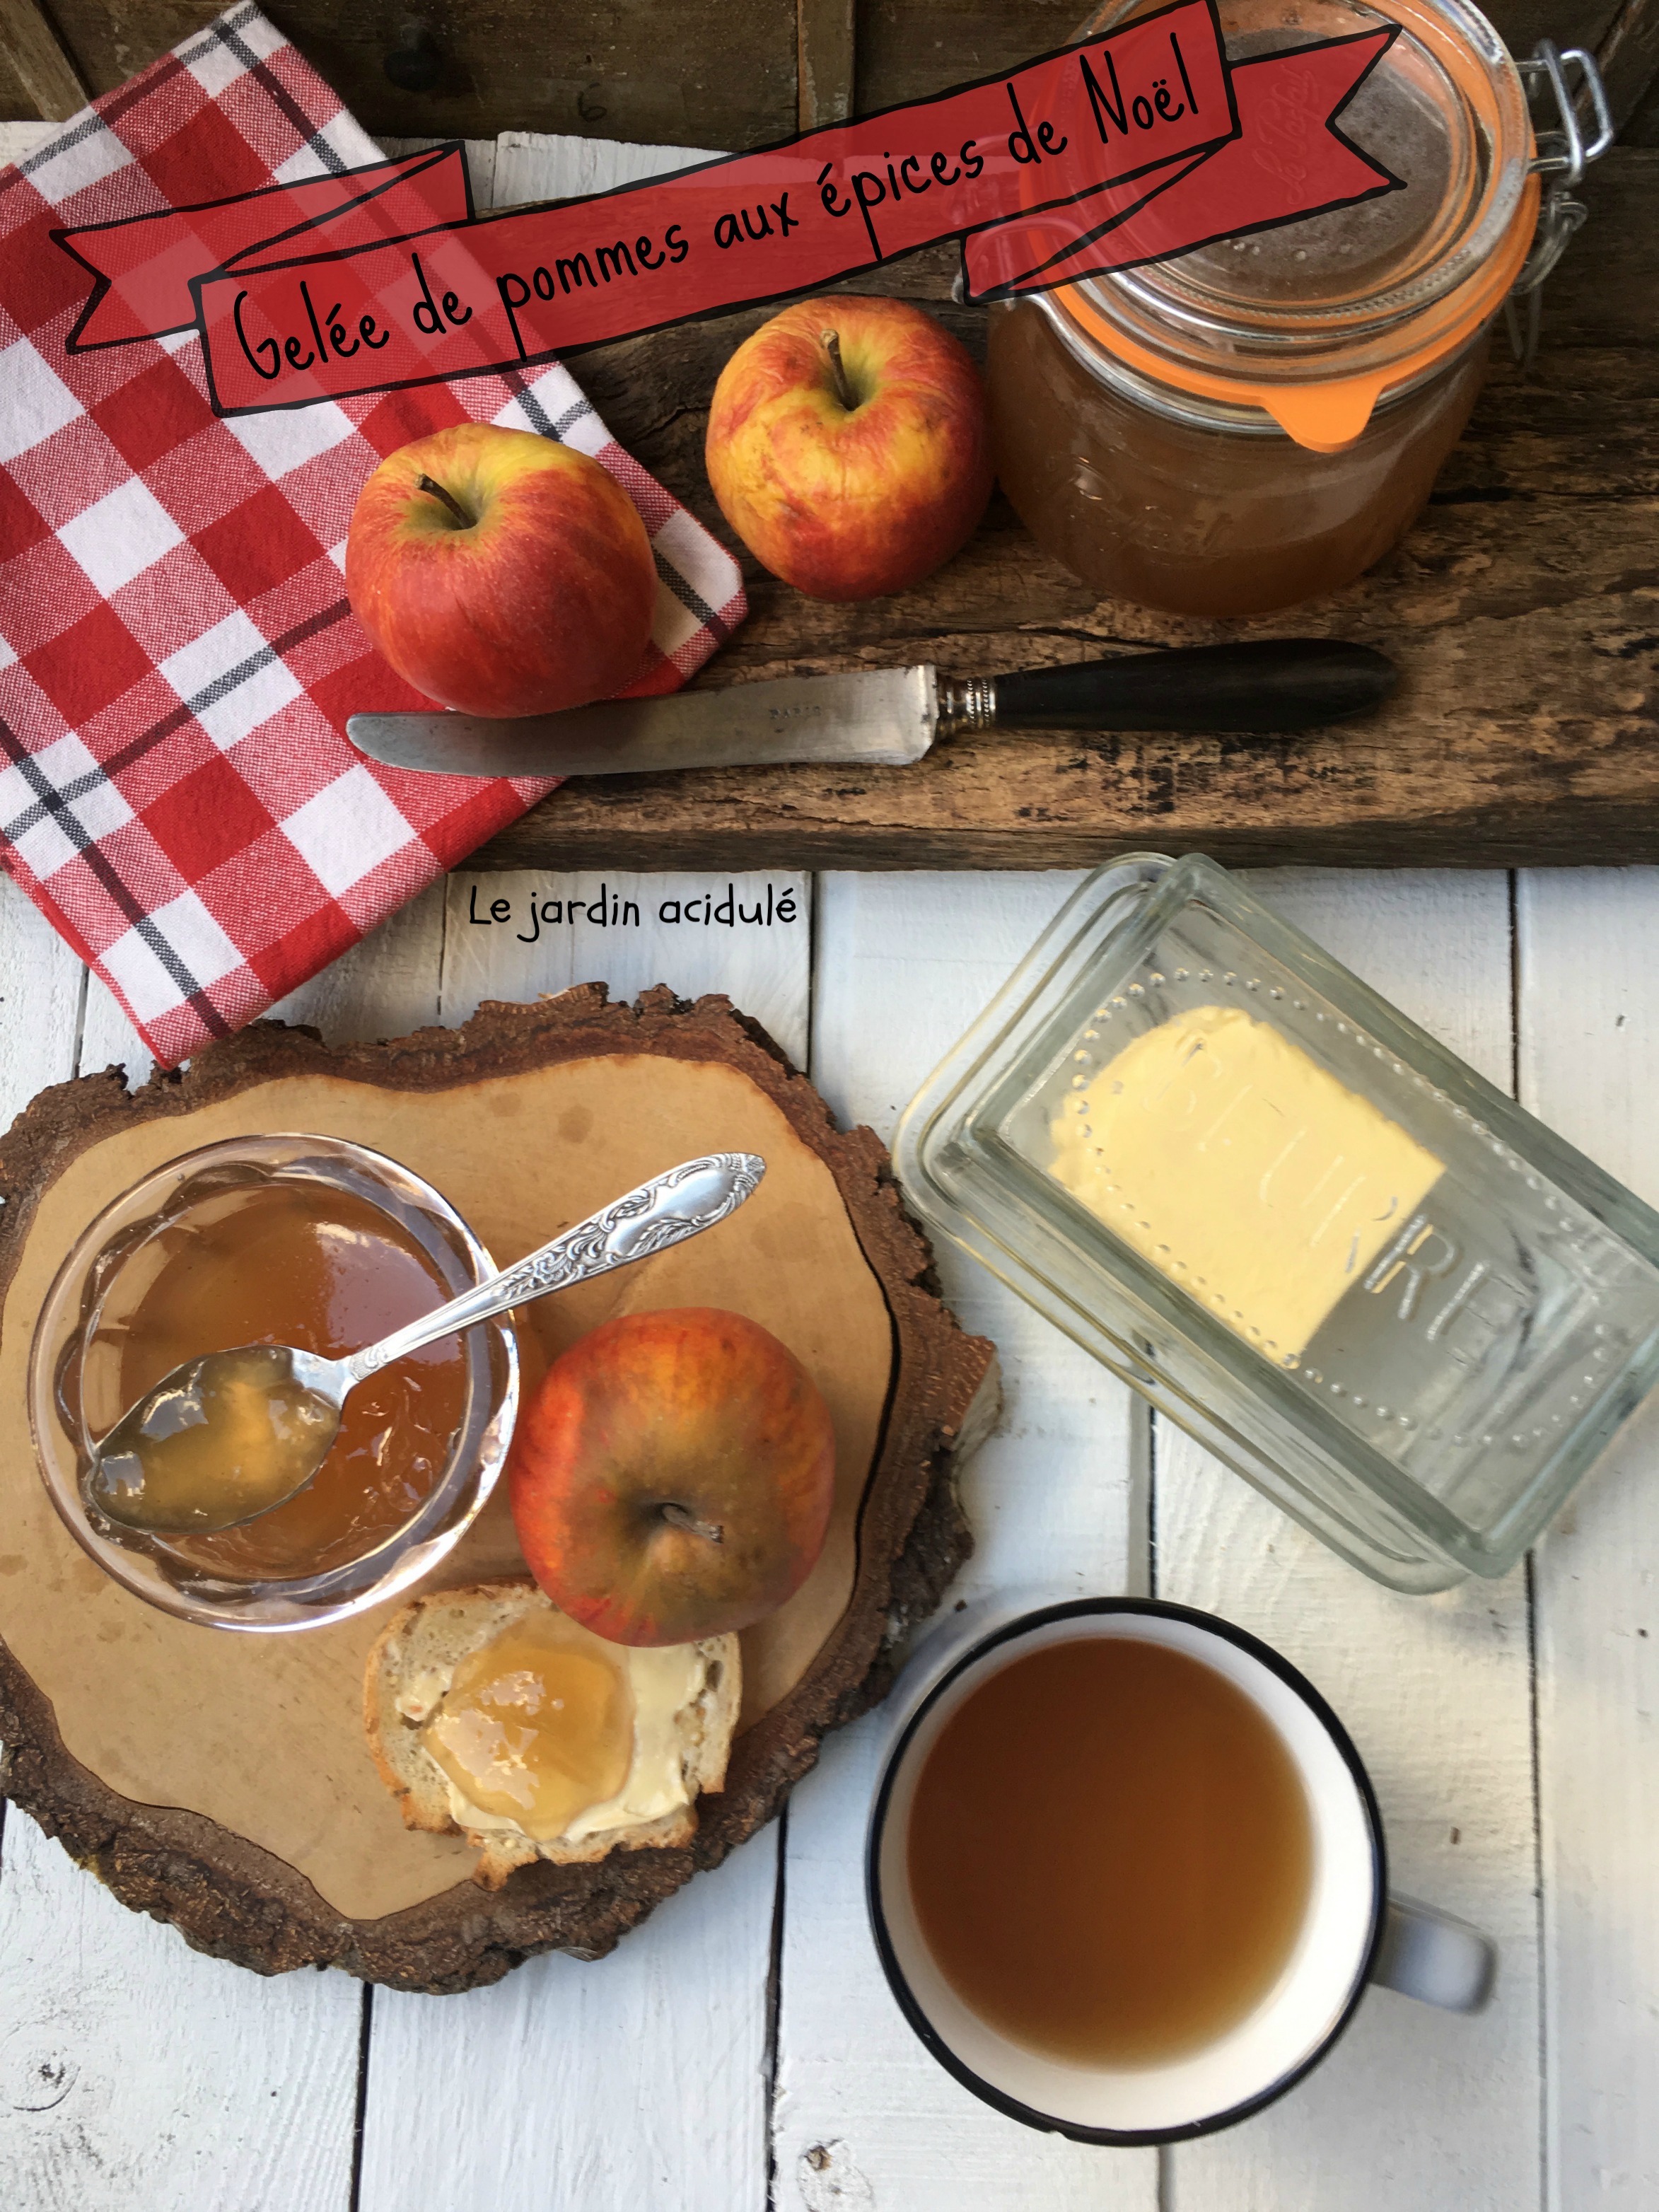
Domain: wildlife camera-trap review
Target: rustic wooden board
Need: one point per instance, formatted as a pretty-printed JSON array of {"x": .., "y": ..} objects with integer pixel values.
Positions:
[
  {"x": 692, "y": 73},
  {"x": 902, "y": 56},
  {"x": 675, "y": 2027},
  {"x": 30, "y": 48},
  {"x": 679, "y": 70},
  {"x": 241, "y": 1898},
  {"x": 1521, "y": 610}
]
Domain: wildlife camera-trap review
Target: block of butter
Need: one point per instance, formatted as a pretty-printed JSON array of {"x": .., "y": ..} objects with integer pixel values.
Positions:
[{"x": 1242, "y": 1169}]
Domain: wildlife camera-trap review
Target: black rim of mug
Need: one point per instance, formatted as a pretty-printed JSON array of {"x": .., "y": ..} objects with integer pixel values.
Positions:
[{"x": 1159, "y": 1609}]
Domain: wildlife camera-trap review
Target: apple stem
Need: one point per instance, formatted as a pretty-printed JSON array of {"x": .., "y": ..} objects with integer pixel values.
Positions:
[
  {"x": 844, "y": 391},
  {"x": 678, "y": 1518},
  {"x": 427, "y": 483}
]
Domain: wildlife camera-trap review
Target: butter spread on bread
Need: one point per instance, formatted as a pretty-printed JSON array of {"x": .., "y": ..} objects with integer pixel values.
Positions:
[{"x": 458, "y": 1707}]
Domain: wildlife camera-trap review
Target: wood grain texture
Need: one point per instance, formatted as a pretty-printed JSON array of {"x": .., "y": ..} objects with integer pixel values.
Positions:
[
  {"x": 688, "y": 71},
  {"x": 864, "y": 2117},
  {"x": 133, "y": 2071},
  {"x": 1415, "y": 2107},
  {"x": 532, "y": 166},
  {"x": 692, "y": 72},
  {"x": 824, "y": 61},
  {"x": 635, "y": 2083},
  {"x": 903, "y": 55},
  {"x": 35, "y": 55},
  {"x": 1521, "y": 609},
  {"x": 1627, "y": 53},
  {"x": 241, "y": 1901},
  {"x": 1589, "y": 1066}
]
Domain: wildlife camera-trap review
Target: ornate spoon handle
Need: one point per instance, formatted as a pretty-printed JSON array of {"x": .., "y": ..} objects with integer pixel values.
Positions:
[{"x": 666, "y": 1211}]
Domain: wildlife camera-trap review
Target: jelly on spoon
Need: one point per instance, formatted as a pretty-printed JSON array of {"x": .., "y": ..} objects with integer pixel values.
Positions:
[{"x": 229, "y": 1435}]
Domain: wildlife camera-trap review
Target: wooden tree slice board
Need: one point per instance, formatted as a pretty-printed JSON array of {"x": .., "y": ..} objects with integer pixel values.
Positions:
[{"x": 221, "y": 1781}]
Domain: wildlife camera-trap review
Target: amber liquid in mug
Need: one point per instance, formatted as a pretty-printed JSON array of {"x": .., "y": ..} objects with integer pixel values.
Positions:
[
  {"x": 328, "y": 1273},
  {"x": 1110, "y": 1852}
]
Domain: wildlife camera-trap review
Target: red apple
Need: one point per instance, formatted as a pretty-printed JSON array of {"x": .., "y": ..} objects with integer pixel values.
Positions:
[
  {"x": 852, "y": 480},
  {"x": 502, "y": 573},
  {"x": 671, "y": 1478}
]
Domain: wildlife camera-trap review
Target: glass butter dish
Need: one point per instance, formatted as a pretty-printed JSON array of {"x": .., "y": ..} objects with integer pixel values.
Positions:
[{"x": 1342, "y": 1261}]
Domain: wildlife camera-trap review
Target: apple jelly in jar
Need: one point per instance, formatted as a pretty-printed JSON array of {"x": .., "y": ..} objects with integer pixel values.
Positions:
[
  {"x": 292, "y": 1240},
  {"x": 1260, "y": 420}
]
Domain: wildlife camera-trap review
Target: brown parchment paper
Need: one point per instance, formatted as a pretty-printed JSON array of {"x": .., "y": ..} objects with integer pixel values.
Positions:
[{"x": 264, "y": 1734}]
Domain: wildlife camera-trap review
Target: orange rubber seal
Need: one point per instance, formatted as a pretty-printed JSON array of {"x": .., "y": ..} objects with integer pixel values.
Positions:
[{"x": 1326, "y": 415}]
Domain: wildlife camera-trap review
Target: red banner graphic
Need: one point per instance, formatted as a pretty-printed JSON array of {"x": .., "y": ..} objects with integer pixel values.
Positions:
[
  {"x": 1135, "y": 146},
  {"x": 1257, "y": 181},
  {"x": 144, "y": 264}
]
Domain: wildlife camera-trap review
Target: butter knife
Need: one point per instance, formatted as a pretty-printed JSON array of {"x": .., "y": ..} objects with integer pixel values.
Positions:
[{"x": 889, "y": 717}]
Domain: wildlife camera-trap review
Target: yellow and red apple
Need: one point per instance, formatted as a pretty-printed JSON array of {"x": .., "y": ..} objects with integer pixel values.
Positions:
[
  {"x": 848, "y": 448},
  {"x": 502, "y": 573},
  {"x": 671, "y": 1477}
]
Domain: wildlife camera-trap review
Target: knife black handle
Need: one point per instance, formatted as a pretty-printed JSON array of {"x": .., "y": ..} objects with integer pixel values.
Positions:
[{"x": 1265, "y": 687}]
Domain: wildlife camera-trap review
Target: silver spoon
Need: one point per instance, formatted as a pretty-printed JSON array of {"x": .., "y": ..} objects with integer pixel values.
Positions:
[{"x": 229, "y": 1435}]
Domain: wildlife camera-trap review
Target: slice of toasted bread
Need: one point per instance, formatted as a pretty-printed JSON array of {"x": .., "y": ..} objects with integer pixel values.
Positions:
[{"x": 411, "y": 1667}]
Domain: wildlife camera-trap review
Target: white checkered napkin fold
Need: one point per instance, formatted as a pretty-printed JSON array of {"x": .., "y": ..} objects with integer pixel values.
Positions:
[{"x": 177, "y": 657}]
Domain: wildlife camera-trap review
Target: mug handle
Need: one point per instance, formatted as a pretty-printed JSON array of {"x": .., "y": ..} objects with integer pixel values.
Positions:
[{"x": 1428, "y": 1954}]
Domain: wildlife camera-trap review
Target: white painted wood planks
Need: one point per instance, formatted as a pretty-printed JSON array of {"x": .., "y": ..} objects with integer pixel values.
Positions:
[
  {"x": 511, "y": 936},
  {"x": 636, "y": 2081},
  {"x": 537, "y": 166},
  {"x": 1415, "y": 2108},
  {"x": 864, "y": 2117},
  {"x": 1588, "y": 1053},
  {"x": 19, "y": 140},
  {"x": 134, "y": 2072}
]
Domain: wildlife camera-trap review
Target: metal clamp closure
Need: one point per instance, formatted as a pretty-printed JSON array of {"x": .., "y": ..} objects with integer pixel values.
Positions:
[{"x": 1563, "y": 154}]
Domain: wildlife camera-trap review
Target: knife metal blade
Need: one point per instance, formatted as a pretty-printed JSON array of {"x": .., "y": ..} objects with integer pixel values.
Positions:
[
  {"x": 889, "y": 717},
  {"x": 884, "y": 717}
]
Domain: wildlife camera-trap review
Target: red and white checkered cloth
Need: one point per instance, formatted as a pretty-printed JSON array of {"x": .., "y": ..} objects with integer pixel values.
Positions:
[{"x": 177, "y": 657}]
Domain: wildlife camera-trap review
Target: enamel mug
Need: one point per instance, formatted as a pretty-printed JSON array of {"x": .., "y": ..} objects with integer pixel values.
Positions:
[{"x": 1352, "y": 1932}]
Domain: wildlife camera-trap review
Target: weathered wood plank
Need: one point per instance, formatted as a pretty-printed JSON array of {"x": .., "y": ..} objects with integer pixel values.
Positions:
[
  {"x": 1628, "y": 54},
  {"x": 40, "y": 995},
  {"x": 31, "y": 47},
  {"x": 532, "y": 166},
  {"x": 1589, "y": 1066},
  {"x": 824, "y": 63},
  {"x": 864, "y": 2117},
  {"x": 973, "y": 38},
  {"x": 1415, "y": 2107},
  {"x": 636, "y": 2081},
  {"x": 904, "y": 57},
  {"x": 693, "y": 73},
  {"x": 1521, "y": 610}
]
